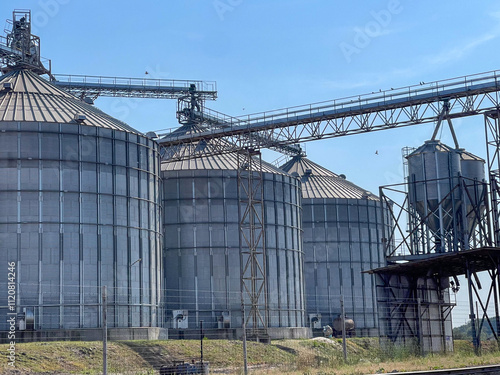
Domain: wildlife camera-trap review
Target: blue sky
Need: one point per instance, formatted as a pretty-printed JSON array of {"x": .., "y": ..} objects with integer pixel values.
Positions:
[
  {"x": 269, "y": 54},
  {"x": 272, "y": 54}
]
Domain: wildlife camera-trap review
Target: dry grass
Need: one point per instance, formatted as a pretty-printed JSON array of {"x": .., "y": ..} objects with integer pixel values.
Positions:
[
  {"x": 71, "y": 357},
  {"x": 315, "y": 356},
  {"x": 365, "y": 357}
]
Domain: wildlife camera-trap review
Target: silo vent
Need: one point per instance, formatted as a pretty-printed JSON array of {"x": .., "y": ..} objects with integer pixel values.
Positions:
[
  {"x": 366, "y": 195},
  {"x": 152, "y": 135},
  {"x": 7, "y": 86},
  {"x": 342, "y": 176},
  {"x": 80, "y": 118},
  {"x": 88, "y": 100},
  {"x": 308, "y": 172}
]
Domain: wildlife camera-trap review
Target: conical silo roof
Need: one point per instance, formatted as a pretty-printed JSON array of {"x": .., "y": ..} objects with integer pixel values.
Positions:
[
  {"x": 431, "y": 146},
  {"x": 319, "y": 182},
  {"x": 213, "y": 161},
  {"x": 25, "y": 96},
  {"x": 466, "y": 155}
]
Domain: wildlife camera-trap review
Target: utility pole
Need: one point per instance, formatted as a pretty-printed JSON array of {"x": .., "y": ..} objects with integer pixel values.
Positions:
[
  {"x": 244, "y": 327},
  {"x": 344, "y": 344},
  {"x": 104, "y": 332},
  {"x": 201, "y": 343}
]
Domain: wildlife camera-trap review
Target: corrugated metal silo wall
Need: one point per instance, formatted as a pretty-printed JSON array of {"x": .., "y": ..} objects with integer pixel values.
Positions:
[
  {"x": 80, "y": 204},
  {"x": 342, "y": 238},
  {"x": 201, "y": 242}
]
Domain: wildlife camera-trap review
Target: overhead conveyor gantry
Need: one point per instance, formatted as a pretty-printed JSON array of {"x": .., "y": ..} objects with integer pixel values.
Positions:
[
  {"x": 94, "y": 86},
  {"x": 423, "y": 103}
]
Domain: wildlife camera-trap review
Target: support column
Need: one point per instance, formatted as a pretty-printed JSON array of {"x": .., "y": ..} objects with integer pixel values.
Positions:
[
  {"x": 472, "y": 316},
  {"x": 252, "y": 243},
  {"x": 494, "y": 282},
  {"x": 492, "y": 130}
]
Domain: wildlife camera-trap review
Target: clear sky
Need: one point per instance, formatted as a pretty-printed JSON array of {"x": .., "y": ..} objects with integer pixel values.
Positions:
[{"x": 269, "y": 54}]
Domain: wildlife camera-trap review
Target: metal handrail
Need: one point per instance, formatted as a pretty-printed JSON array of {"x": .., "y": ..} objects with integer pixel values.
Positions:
[{"x": 125, "y": 82}]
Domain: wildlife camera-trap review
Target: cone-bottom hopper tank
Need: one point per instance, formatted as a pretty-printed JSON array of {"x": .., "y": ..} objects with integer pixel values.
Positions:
[{"x": 444, "y": 185}]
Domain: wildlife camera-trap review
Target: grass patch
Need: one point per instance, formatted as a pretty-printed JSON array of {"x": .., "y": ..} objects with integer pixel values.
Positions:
[
  {"x": 72, "y": 357},
  {"x": 307, "y": 356}
]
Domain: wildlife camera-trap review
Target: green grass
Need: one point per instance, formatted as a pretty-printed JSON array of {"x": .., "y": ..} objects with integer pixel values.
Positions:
[
  {"x": 314, "y": 356},
  {"x": 72, "y": 357}
]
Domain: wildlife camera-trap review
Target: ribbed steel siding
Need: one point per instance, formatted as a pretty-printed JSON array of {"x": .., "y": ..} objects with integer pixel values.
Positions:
[
  {"x": 202, "y": 260},
  {"x": 342, "y": 238},
  {"x": 79, "y": 205},
  {"x": 433, "y": 171}
]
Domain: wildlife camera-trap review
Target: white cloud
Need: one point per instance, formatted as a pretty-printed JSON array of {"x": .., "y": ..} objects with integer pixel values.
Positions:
[
  {"x": 344, "y": 85},
  {"x": 495, "y": 14},
  {"x": 458, "y": 52}
]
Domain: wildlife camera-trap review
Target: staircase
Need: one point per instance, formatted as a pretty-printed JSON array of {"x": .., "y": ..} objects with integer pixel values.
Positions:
[{"x": 152, "y": 353}]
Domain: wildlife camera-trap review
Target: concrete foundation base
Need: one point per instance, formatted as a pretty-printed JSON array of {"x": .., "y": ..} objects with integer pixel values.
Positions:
[
  {"x": 150, "y": 333},
  {"x": 358, "y": 332},
  {"x": 90, "y": 334},
  {"x": 274, "y": 333}
]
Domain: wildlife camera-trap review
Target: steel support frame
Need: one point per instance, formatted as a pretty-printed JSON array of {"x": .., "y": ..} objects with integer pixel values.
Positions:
[
  {"x": 417, "y": 244},
  {"x": 94, "y": 86},
  {"x": 210, "y": 119},
  {"x": 492, "y": 298},
  {"x": 21, "y": 49},
  {"x": 492, "y": 130},
  {"x": 337, "y": 118},
  {"x": 406, "y": 307},
  {"x": 252, "y": 244},
  {"x": 411, "y": 236},
  {"x": 399, "y": 298}
]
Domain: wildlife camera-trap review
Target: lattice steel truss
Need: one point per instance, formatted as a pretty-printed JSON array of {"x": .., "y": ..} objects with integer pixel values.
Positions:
[
  {"x": 467, "y": 246},
  {"x": 416, "y": 311},
  {"x": 252, "y": 243},
  {"x": 411, "y": 237},
  {"x": 92, "y": 87},
  {"x": 474, "y": 285},
  {"x": 398, "y": 293},
  {"x": 20, "y": 49},
  {"x": 464, "y": 96},
  {"x": 492, "y": 130}
]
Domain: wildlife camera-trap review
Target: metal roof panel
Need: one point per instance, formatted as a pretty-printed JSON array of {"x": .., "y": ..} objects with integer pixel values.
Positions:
[
  {"x": 211, "y": 162},
  {"x": 33, "y": 98},
  {"x": 319, "y": 182}
]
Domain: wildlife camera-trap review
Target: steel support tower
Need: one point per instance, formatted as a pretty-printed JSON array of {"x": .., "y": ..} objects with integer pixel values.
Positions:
[
  {"x": 252, "y": 244},
  {"x": 20, "y": 49}
]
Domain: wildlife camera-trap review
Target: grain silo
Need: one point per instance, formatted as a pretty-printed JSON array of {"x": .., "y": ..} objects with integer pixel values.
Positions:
[
  {"x": 201, "y": 243},
  {"x": 80, "y": 208},
  {"x": 445, "y": 187},
  {"x": 342, "y": 238}
]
